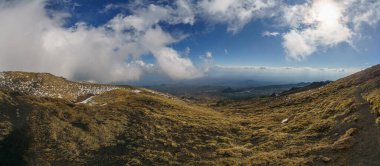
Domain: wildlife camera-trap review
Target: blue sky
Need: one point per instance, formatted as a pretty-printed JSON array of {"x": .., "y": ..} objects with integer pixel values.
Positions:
[
  {"x": 246, "y": 47},
  {"x": 123, "y": 41}
]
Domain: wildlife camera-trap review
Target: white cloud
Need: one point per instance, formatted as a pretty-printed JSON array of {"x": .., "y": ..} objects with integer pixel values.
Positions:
[
  {"x": 326, "y": 23},
  {"x": 184, "y": 12},
  {"x": 181, "y": 11},
  {"x": 364, "y": 12},
  {"x": 207, "y": 60},
  {"x": 321, "y": 24},
  {"x": 236, "y": 13},
  {"x": 269, "y": 34},
  {"x": 208, "y": 55},
  {"x": 187, "y": 51},
  {"x": 33, "y": 41},
  {"x": 297, "y": 46},
  {"x": 175, "y": 66}
]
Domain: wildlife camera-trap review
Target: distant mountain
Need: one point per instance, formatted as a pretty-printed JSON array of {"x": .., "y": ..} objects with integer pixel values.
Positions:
[
  {"x": 207, "y": 81},
  {"x": 48, "y": 120},
  {"x": 210, "y": 93},
  {"x": 310, "y": 86}
]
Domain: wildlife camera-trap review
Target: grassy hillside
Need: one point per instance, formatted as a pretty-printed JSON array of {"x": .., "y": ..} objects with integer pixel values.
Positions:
[
  {"x": 47, "y": 85},
  {"x": 330, "y": 125}
]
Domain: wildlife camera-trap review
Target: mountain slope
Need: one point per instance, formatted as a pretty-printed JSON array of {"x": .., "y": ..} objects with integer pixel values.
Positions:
[
  {"x": 47, "y": 85},
  {"x": 335, "y": 120},
  {"x": 328, "y": 125}
]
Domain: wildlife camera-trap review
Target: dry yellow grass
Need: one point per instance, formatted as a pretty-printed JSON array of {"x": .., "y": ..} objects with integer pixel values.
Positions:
[{"x": 141, "y": 127}]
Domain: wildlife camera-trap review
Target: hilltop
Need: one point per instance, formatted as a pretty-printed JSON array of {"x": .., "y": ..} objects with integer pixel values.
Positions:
[{"x": 44, "y": 120}]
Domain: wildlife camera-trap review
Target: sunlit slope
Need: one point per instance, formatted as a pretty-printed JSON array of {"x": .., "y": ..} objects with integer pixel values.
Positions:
[{"x": 332, "y": 124}]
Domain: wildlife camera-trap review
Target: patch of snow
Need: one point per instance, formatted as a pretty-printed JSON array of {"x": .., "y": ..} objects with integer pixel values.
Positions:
[
  {"x": 136, "y": 91},
  {"x": 161, "y": 94},
  {"x": 285, "y": 120},
  {"x": 88, "y": 100}
]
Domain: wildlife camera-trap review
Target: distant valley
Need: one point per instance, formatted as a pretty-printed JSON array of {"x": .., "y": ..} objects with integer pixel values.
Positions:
[{"x": 209, "y": 93}]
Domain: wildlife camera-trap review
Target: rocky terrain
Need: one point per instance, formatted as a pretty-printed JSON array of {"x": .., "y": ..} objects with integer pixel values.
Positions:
[{"x": 48, "y": 120}]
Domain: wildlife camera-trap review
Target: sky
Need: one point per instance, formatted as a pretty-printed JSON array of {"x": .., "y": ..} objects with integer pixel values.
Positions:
[{"x": 179, "y": 40}]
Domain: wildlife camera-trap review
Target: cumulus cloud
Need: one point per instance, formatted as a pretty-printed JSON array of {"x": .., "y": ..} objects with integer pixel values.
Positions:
[
  {"x": 325, "y": 23},
  {"x": 297, "y": 46},
  {"x": 236, "y": 13},
  {"x": 33, "y": 41},
  {"x": 174, "y": 65},
  {"x": 322, "y": 24}
]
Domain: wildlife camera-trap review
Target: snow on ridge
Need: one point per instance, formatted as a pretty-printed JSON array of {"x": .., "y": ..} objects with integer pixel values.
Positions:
[
  {"x": 160, "y": 94},
  {"x": 36, "y": 87}
]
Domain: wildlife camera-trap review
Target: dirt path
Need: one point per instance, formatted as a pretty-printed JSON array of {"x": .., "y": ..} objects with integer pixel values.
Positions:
[{"x": 366, "y": 150}]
